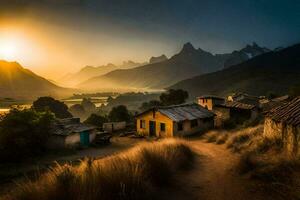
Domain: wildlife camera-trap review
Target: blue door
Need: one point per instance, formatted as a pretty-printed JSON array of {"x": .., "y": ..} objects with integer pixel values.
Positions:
[
  {"x": 85, "y": 138},
  {"x": 152, "y": 128}
]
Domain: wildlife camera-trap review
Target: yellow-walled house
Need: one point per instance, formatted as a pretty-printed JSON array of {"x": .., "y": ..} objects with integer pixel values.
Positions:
[
  {"x": 209, "y": 101},
  {"x": 178, "y": 120}
]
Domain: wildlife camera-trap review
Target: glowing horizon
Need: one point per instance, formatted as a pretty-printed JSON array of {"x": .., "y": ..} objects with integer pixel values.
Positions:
[{"x": 53, "y": 38}]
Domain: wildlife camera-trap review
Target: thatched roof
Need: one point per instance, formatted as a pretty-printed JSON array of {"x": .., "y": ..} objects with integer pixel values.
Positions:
[{"x": 288, "y": 113}]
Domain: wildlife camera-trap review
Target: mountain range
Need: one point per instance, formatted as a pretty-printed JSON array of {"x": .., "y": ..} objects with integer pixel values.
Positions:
[
  {"x": 18, "y": 82},
  {"x": 88, "y": 72},
  {"x": 275, "y": 71},
  {"x": 253, "y": 69},
  {"x": 187, "y": 63}
]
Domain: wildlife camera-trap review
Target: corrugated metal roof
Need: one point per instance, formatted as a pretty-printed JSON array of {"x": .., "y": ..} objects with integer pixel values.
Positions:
[
  {"x": 182, "y": 112},
  {"x": 239, "y": 105},
  {"x": 68, "y": 127},
  {"x": 288, "y": 113},
  {"x": 185, "y": 112}
]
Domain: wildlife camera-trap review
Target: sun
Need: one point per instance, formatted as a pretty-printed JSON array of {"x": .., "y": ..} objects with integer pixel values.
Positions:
[{"x": 8, "y": 50}]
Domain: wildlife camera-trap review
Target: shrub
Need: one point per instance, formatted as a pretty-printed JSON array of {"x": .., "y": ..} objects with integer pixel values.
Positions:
[
  {"x": 135, "y": 174},
  {"x": 24, "y": 133},
  {"x": 96, "y": 120}
]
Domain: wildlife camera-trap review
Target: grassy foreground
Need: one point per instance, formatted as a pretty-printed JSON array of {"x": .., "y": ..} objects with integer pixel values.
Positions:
[
  {"x": 134, "y": 174},
  {"x": 263, "y": 160}
]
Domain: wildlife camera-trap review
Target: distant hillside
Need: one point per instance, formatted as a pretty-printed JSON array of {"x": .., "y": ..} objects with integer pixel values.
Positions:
[
  {"x": 18, "y": 82},
  {"x": 91, "y": 71},
  {"x": 187, "y": 63},
  {"x": 274, "y": 72}
]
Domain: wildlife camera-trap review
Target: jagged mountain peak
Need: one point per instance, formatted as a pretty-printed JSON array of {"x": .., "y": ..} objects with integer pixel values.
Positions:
[{"x": 188, "y": 47}]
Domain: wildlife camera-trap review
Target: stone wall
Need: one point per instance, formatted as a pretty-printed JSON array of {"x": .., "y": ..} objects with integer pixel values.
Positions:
[
  {"x": 288, "y": 134},
  {"x": 222, "y": 115}
]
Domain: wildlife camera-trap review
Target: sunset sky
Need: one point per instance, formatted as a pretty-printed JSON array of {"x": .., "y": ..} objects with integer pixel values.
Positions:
[{"x": 54, "y": 37}]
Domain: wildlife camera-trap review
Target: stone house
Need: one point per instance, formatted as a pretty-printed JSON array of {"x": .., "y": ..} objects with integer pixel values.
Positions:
[
  {"x": 283, "y": 122},
  {"x": 237, "y": 109}
]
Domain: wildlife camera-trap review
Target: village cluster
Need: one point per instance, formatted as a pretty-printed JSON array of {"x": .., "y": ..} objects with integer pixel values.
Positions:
[{"x": 280, "y": 115}]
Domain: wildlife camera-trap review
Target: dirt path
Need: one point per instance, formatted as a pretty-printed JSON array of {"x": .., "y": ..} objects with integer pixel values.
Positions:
[{"x": 213, "y": 177}]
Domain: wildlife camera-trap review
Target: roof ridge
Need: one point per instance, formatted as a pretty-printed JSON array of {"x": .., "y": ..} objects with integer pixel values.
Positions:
[{"x": 174, "y": 106}]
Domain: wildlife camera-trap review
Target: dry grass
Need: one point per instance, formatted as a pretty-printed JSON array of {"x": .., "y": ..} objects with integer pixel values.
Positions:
[
  {"x": 222, "y": 138},
  {"x": 135, "y": 174},
  {"x": 216, "y": 136},
  {"x": 263, "y": 160},
  {"x": 244, "y": 138}
]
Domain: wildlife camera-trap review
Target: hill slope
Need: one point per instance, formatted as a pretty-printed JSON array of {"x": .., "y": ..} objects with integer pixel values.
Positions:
[
  {"x": 271, "y": 72},
  {"x": 187, "y": 63},
  {"x": 18, "y": 82}
]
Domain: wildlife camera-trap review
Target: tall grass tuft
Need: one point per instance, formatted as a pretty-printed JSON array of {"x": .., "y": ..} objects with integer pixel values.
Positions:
[
  {"x": 135, "y": 174},
  {"x": 243, "y": 139}
]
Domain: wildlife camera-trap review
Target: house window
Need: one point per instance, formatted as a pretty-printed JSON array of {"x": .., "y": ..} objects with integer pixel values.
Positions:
[
  {"x": 162, "y": 127},
  {"x": 142, "y": 124},
  {"x": 180, "y": 126},
  {"x": 194, "y": 123}
]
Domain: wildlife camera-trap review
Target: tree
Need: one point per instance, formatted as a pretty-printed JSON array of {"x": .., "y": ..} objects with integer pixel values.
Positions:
[
  {"x": 60, "y": 109},
  {"x": 24, "y": 133},
  {"x": 88, "y": 105},
  {"x": 119, "y": 113},
  {"x": 150, "y": 104},
  {"x": 77, "y": 110},
  {"x": 96, "y": 120},
  {"x": 173, "y": 97}
]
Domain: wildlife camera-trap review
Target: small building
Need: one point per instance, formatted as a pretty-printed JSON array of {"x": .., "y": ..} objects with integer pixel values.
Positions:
[
  {"x": 70, "y": 132},
  {"x": 235, "y": 111},
  {"x": 178, "y": 120},
  {"x": 283, "y": 123},
  {"x": 114, "y": 126},
  {"x": 245, "y": 98},
  {"x": 210, "y": 101}
]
